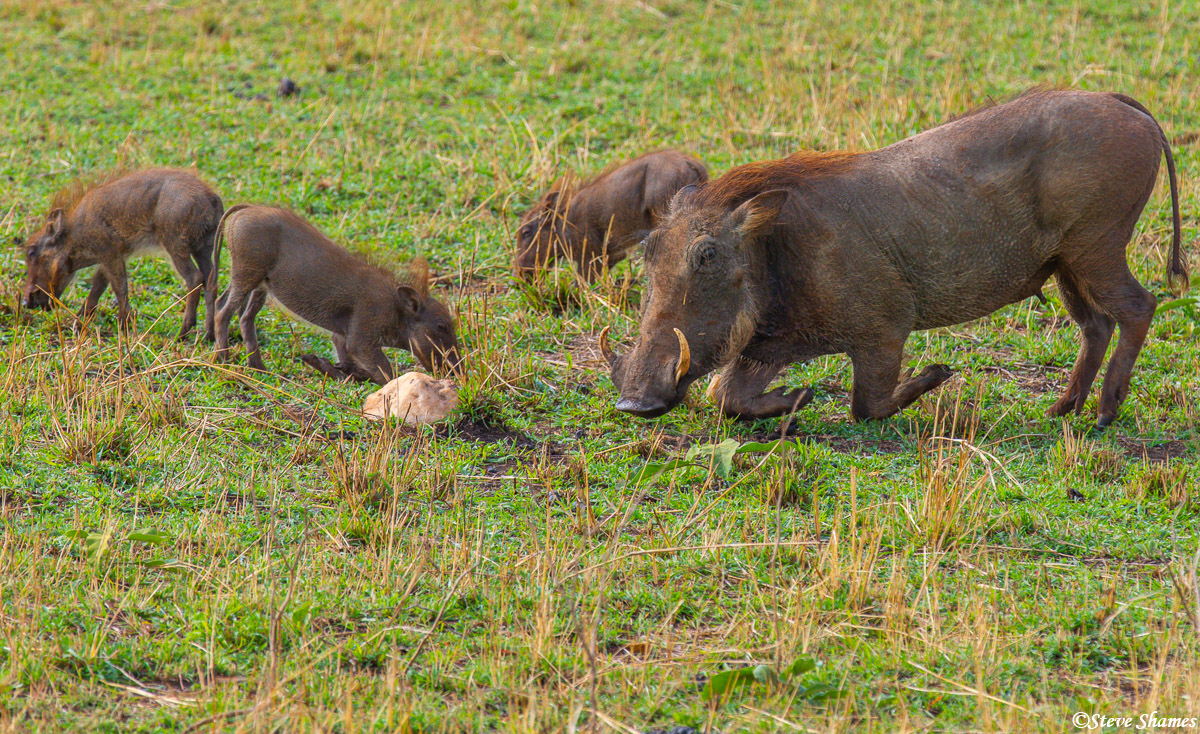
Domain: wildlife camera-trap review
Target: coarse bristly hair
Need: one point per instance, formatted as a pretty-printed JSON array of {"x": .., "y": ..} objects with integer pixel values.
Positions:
[
  {"x": 68, "y": 197},
  {"x": 416, "y": 273},
  {"x": 747, "y": 181},
  {"x": 570, "y": 183}
]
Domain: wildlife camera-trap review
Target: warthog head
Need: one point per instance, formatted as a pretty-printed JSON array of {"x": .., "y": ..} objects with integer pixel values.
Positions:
[
  {"x": 427, "y": 328},
  {"x": 431, "y": 333},
  {"x": 541, "y": 238},
  {"x": 699, "y": 308},
  {"x": 48, "y": 264}
]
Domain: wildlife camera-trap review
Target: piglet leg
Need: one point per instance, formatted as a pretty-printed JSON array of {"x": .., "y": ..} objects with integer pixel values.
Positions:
[
  {"x": 322, "y": 365},
  {"x": 99, "y": 285},
  {"x": 342, "y": 371},
  {"x": 115, "y": 273}
]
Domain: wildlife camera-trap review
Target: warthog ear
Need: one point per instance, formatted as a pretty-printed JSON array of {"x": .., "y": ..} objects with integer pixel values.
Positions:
[
  {"x": 54, "y": 223},
  {"x": 756, "y": 215},
  {"x": 419, "y": 271},
  {"x": 410, "y": 299},
  {"x": 681, "y": 197}
]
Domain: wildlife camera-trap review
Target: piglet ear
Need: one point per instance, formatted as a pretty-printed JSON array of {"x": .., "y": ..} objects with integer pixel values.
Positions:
[
  {"x": 755, "y": 216},
  {"x": 418, "y": 271},
  {"x": 681, "y": 198},
  {"x": 54, "y": 223},
  {"x": 410, "y": 300}
]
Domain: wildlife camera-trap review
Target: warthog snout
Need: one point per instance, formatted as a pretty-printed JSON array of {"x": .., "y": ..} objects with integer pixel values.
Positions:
[
  {"x": 440, "y": 358},
  {"x": 35, "y": 297},
  {"x": 642, "y": 408},
  {"x": 449, "y": 361},
  {"x": 644, "y": 392}
]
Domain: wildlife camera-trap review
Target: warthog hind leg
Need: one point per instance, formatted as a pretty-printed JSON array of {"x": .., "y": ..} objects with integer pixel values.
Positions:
[
  {"x": 1099, "y": 291},
  {"x": 194, "y": 281},
  {"x": 249, "y": 332},
  {"x": 1097, "y": 330},
  {"x": 738, "y": 391},
  {"x": 204, "y": 261}
]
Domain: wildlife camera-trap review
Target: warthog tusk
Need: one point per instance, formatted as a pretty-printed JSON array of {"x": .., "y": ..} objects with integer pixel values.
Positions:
[
  {"x": 605, "y": 349},
  {"x": 685, "y": 357}
]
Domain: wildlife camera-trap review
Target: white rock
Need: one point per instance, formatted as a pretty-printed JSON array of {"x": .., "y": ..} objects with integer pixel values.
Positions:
[{"x": 415, "y": 398}]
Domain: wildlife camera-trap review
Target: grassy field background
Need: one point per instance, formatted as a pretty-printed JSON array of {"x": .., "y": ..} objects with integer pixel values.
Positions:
[{"x": 190, "y": 547}]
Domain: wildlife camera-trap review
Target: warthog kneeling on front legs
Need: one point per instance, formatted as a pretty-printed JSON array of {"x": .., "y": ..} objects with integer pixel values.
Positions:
[
  {"x": 782, "y": 261},
  {"x": 363, "y": 307}
]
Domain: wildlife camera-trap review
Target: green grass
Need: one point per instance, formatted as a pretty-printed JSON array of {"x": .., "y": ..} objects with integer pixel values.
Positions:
[{"x": 191, "y": 546}]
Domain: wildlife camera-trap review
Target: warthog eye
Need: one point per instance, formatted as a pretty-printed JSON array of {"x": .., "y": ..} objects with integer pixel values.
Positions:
[{"x": 703, "y": 253}]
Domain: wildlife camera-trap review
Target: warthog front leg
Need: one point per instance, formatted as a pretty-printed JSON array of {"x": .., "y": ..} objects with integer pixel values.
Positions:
[
  {"x": 99, "y": 285},
  {"x": 368, "y": 358},
  {"x": 322, "y": 365},
  {"x": 114, "y": 272},
  {"x": 738, "y": 392},
  {"x": 878, "y": 391},
  {"x": 342, "y": 371}
]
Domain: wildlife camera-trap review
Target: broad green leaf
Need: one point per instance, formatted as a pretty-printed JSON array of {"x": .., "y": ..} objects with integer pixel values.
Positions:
[
  {"x": 756, "y": 447},
  {"x": 723, "y": 683},
  {"x": 651, "y": 472},
  {"x": 163, "y": 563},
  {"x": 819, "y": 692},
  {"x": 96, "y": 545},
  {"x": 765, "y": 675},
  {"x": 719, "y": 454},
  {"x": 149, "y": 536},
  {"x": 302, "y": 613},
  {"x": 799, "y": 667},
  {"x": 1177, "y": 303}
]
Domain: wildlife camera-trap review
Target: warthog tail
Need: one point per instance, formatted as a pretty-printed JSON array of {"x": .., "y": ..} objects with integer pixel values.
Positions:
[
  {"x": 218, "y": 238},
  {"x": 1177, "y": 271}
]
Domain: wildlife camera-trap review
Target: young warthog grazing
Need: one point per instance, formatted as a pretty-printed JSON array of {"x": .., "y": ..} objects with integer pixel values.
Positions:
[
  {"x": 596, "y": 223},
  {"x": 363, "y": 307},
  {"x": 107, "y": 221},
  {"x": 782, "y": 261}
]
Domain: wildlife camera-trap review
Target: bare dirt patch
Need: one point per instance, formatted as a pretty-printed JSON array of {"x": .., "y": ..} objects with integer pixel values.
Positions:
[
  {"x": 1037, "y": 379},
  {"x": 581, "y": 353},
  {"x": 1153, "y": 453},
  {"x": 491, "y": 432}
]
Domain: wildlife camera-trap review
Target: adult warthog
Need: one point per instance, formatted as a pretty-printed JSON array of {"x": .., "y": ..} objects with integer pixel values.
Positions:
[{"x": 782, "y": 261}]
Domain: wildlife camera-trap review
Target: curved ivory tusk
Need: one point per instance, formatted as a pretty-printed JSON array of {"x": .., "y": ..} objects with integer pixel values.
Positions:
[
  {"x": 605, "y": 349},
  {"x": 685, "y": 357}
]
